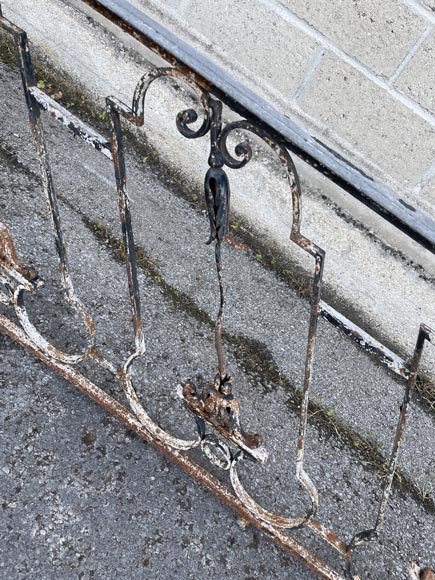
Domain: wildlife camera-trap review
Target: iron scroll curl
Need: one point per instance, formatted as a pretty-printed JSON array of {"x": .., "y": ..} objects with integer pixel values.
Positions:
[
  {"x": 184, "y": 118},
  {"x": 17, "y": 280}
]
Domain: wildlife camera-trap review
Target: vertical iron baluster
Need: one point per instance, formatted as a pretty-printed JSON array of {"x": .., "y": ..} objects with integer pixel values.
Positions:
[
  {"x": 424, "y": 334},
  {"x": 28, "y": 81},
  {"x": 125, "y": 219},
  {"x": 301, "y": 474}
]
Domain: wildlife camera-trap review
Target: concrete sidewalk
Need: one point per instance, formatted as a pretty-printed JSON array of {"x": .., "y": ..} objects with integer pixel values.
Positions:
[{"x": 83, "y": 499}]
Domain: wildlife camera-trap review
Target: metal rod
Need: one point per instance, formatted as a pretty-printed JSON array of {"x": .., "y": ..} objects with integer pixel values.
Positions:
[
  {"x": 365, "y": 341},
  {"x": 28, "y": 81},
  {"x": 79, "y": 129},
  {"x": 367, "y": 535},
  {"x": 125, "y": 219},
  {"x": 218, "y": 325},
  {"x": 312, "y": 334}
]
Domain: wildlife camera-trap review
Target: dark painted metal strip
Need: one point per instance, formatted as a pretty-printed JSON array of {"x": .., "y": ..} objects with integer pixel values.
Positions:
[
  {"x": 367, "y": 342},
  {"x": 79, "y": 129}
]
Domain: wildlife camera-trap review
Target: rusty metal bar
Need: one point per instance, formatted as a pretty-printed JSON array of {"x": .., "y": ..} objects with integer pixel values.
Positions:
[
  {"x": 28, "y": 81},
  {"x": 403, "y": 415},
  {"x": 319, "y": 257},
  {"x": 125, "y": 218},
  {"x": 425, "y": 334},
  {"x": 365, "y": 341}
]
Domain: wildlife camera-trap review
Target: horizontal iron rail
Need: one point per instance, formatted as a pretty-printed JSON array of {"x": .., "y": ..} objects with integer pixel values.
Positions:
[
  {"x": 244, "y": 101},
  {"x": 80, "y": 129},
  {"x": 367, "y": 342}
]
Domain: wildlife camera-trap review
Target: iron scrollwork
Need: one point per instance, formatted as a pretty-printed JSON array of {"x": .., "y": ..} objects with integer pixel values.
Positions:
[{"x": 213, "y": 404}]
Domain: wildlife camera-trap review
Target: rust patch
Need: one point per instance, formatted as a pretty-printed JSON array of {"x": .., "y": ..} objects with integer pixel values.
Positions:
[
  {"x": 216, "y": 404},
  {"x": 10, "y": 261},
  {"x": 237, "y": 245}
]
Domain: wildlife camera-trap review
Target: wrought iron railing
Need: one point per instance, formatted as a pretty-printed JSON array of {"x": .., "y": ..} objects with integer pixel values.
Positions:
[{"x": 212, "y": 401}]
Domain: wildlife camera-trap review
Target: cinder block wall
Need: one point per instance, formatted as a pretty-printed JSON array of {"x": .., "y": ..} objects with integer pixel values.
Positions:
[{"x": 358, "y": 74}]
